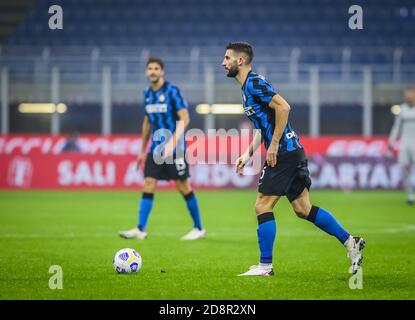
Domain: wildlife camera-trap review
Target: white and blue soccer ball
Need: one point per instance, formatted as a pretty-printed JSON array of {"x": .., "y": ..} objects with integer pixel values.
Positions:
[{"x": 127, "y": 261}]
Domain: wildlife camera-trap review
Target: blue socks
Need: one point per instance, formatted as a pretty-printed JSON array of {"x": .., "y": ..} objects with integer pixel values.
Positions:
[
  {"x": 326, "y": 222},
  {"x": 193, "y": 208},
  {"x": 267, "y": 230},
  {"x": 146, "y": 205}
]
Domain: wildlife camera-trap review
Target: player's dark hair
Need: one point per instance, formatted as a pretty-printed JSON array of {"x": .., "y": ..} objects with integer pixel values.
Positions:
[
  {"x": 242, "y": 47},
  {"x": 156, "y": 60}
]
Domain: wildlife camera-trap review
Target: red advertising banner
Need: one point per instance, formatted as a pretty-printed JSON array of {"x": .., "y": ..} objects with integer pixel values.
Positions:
[
  {"x": 77, "y": 171},
  {"x": 119, "y": 145},
  {"x": 36, "y": 162}
]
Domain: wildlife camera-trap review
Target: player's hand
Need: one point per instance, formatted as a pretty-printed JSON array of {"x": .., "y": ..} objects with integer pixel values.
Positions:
[
  {"x": 272, "y": 154},
  {"x": 140, "y": 160},
  {"x": 241, "y": 162}
]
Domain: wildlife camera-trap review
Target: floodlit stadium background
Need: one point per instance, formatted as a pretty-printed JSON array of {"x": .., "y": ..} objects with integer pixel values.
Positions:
[
  {"x": 89, "y": 78},
  {"x": 304, "y": 47}
]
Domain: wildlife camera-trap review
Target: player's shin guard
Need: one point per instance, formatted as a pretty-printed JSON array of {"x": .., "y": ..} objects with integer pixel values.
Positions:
[
  {"x": 193, "y": 207},
  {"x": 146, "y": 204},
  {"x": 267, "y": 229},
  {"x": 326, "y": 222}
]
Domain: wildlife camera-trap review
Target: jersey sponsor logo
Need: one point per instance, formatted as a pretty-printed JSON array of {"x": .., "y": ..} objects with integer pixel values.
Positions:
[
  {"x": 249, "y": 111},
  {"x": 156, "y": 108}
]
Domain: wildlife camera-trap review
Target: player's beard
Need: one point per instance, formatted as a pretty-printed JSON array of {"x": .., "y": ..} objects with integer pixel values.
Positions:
[
  {"x": 233, "y": 71},
  {"x": 154, "y": 79}
]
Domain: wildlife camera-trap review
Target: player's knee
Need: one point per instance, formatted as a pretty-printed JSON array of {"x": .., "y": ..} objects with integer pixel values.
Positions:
[
  {"x": 183, "y": 187},
  {"x": 301, "y": 211},
  {"x": 301, "y": 214},
  {"x": 149, "y": 185},
  {"x": 261, "y": 207}
]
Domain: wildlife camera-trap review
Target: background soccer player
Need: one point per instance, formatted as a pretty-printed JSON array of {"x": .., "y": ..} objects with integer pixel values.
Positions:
[
  {"x": 164, "y": 106},
  {"x": 285, "y": 171},
  {"x": 404, "y": 128}
]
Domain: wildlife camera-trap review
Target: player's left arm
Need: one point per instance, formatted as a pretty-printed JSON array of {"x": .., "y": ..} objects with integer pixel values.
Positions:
[
  {"x": 394, "y": 134},
  {"x": 181, "y": 124},
  {"x": 282, "y": 110},
  {"x": 263, "y": 92}
]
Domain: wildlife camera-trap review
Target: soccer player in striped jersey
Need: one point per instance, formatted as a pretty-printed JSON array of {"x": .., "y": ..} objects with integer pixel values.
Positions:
[
  {"x": 285, "y": 172},
  {"x": 166, "y": 118}
]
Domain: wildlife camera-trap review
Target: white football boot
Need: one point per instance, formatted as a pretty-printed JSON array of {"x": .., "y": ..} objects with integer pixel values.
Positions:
[
  {"x": 264, "y": 270},
  {"x": 194, "y": 234},
  {"x": 355, "y": 246},
  {"x": 133, "y": 233}
]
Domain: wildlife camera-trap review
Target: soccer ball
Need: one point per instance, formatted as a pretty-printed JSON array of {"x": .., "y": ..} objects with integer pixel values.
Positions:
[{"x": 127, "y": 261}]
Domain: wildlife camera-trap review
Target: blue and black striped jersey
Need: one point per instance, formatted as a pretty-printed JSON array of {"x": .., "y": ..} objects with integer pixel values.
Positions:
[
  {"x": 161, "y": 107},
  {"x": 257, "y": 93}
]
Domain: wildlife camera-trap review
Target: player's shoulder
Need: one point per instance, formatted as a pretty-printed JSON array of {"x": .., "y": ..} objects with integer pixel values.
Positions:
[
  {"x": 257, "y": 77},
  {"x": 404, "y": 109},
  {"x": 171, "y": 87},
  {"x": 254, "y": 79},
  {"x": 407, "y": 112},
  {"x": 258, "y": 85}
]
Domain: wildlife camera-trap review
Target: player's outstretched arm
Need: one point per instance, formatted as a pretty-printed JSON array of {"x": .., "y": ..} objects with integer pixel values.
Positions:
[
  {"x": 282, "y": 110},
  {"x": 145, "y": 135}
]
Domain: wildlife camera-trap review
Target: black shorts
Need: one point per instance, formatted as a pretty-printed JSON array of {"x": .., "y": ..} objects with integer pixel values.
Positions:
[
  {"x": 288, "y": 178},
  {"x": 179, "y": 170}
]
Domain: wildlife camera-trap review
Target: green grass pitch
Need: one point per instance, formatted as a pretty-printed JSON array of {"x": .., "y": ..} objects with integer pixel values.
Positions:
[{"x": 78, "y": 231}]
